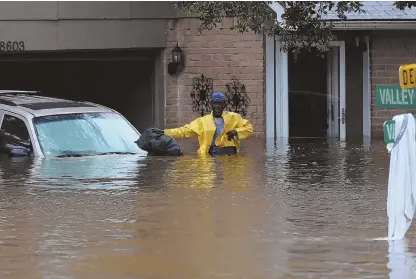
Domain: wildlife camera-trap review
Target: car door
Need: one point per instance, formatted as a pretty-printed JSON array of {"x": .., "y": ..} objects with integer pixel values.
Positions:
[{"x": 14, "y": 131}]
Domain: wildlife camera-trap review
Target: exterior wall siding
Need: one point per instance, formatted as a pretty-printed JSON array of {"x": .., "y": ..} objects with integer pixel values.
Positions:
[
  {"x": 220, "y": 54},
  {"x": 69, "y": 10},
  {"x": 389, "y": 50},
  {"x": 60, "y": 25}
]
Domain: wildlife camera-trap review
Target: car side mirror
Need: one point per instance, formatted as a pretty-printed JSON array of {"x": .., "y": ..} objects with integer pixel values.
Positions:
[
  {"x": 19, "y": 151},
  {"x": 13, "y": 147}
]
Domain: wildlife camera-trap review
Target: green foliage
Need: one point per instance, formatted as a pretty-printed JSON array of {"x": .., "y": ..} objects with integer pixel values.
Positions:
[
  {"x": 303, "y": 25},
  {"x": 401, "y": 5}
]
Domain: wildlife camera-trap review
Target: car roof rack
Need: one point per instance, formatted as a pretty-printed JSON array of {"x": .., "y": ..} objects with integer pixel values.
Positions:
[
  {"x": 13, "y": 92},
  {"x": 10, "y": 92},
  {"x": 7, "y": 102}
]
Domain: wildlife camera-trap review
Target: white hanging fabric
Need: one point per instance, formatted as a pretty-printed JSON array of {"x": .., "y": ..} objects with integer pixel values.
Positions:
[
  {"x": 402, "y": 179},
  {"x": 400, "y": 262}
]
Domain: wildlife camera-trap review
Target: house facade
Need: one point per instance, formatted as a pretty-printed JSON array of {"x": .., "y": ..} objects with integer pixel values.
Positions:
[
  {"x": 118, "y": 54},
  {"x": 364, "y": 58}
]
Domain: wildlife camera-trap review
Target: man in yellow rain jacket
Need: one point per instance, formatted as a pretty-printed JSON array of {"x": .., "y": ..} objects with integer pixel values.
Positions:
[{"x": 219, "y": 133}]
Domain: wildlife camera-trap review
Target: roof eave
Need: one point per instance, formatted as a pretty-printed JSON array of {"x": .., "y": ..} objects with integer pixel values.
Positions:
[{"x": 374, "y": 25}]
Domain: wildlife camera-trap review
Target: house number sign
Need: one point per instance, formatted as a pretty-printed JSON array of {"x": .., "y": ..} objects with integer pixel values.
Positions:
[{"x": 11, "y": 46}]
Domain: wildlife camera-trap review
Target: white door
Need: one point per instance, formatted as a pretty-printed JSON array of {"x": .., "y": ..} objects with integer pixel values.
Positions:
[
  {"x": 333, "y": 93},
  {"x": 336, "y": 91}
]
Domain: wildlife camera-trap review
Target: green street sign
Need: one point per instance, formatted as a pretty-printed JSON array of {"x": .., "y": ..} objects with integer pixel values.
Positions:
[
  {"x": 394, "y": 97},
  {"x": 388, "y": 130}
]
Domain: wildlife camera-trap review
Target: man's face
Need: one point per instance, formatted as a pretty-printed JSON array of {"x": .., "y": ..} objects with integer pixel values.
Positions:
[{"x": 218, "y": 107}]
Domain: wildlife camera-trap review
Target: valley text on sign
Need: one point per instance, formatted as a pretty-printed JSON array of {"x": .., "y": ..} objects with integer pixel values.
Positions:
[
  {"x": 389, "y": 127},
  {"x": 407, "y": 76},
  {"x": 392, "y": 96},
  {"x": 388, "y": 130}
]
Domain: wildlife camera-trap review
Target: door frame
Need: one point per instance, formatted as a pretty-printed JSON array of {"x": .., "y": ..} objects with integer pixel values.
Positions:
[
  {"x": 336, "y": 88},
  {"x": 332, "y": 77},
  {"x": 37, "y": 151},
  {"x": 277, "y": 89},
  {"x": 367, "y": 92}
]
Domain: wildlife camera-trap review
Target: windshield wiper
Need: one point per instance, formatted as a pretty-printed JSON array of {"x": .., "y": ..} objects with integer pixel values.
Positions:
[
  {"x": 108, "y": 153},
  {"x": 80, "y": 154},
  {"x": 74, "y": 155},
  {"x": 68, "y": 153}
]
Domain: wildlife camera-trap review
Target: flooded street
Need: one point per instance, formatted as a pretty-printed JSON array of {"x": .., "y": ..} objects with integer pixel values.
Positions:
[{"x": 300, "y": 211}]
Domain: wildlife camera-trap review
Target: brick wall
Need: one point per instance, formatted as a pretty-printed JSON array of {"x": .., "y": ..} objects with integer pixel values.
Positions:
[
  {"x": 220, "y": 54},
  {"x": 389, "y": 50}
]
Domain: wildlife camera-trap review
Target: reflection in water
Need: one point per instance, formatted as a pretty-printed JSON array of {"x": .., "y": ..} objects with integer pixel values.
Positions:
[
  {"x": 401, "y": 262},
  {"x": 87, "y": 172},
  {"x": 278, "y": 210},
  {"x": 205, "y": 172}
]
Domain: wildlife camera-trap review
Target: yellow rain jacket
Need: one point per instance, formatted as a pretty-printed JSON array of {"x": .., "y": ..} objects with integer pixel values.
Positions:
[{"x": 204, "y": 127}]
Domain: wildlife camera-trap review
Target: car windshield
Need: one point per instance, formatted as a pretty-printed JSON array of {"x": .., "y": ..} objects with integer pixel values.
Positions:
[{"x": 85, "y": 134}]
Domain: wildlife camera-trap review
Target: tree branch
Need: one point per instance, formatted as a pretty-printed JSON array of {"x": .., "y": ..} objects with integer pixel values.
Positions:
[{"x": 304, "y": 24}]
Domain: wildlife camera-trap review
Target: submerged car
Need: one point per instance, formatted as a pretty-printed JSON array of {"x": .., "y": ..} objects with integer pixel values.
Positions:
[{"x": 39, "y": 126}]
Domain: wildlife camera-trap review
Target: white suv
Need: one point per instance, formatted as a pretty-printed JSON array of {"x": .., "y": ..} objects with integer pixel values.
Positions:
[{"x": 34, "y": 125}]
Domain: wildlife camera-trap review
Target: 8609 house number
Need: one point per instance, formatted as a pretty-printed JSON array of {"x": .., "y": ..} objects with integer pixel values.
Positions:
[{"x": 7, "y": 46}]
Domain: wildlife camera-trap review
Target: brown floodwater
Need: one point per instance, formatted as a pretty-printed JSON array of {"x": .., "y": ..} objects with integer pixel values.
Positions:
[{"x": 304, "y": 210}]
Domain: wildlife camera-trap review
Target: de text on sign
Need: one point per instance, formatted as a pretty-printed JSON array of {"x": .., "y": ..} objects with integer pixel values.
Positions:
[{"x": 407, "y": 76}]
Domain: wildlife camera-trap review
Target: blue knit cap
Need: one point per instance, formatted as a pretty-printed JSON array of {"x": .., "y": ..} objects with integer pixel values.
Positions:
[{"x": 217, "y": 96}]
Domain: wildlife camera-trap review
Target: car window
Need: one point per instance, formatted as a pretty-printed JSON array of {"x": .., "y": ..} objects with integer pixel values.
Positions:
[{"x": 15, "y": 127}]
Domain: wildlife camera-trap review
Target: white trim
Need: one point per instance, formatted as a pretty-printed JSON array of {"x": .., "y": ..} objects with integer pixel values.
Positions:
[
  {"x": 282, "y": 84},
  {"x": 342, "y": 93},
  {"x": 342, "y": 89},
  {"x": 374, "y": 25},
  {"x": 279, "y": 10},
  {"x": 277, "y": 92},
  {"x": 329, "y": 93},
  {"x": 277, "y": 85},
  {"x": 366, "y": 91},
  {"x": 333, "y": 91},
  {"x": 270, "y": 76}
]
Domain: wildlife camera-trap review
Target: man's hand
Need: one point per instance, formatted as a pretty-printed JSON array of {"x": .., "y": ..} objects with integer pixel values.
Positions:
[{"x": 232, "y": 135}]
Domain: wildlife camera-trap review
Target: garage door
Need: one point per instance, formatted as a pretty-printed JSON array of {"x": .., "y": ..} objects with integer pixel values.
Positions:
[{"x": 122, "y": 80}]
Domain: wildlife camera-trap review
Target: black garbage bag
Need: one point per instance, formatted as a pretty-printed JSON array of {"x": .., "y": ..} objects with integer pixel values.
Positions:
[{"x": 158, "y": 144}]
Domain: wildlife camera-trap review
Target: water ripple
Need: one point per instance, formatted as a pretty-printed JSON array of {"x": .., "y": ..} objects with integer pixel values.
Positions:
[{"x": 306, "y": 210}]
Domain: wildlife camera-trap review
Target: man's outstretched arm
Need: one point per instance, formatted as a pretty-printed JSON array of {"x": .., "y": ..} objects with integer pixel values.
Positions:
[{"x": 186, "y": 131}]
